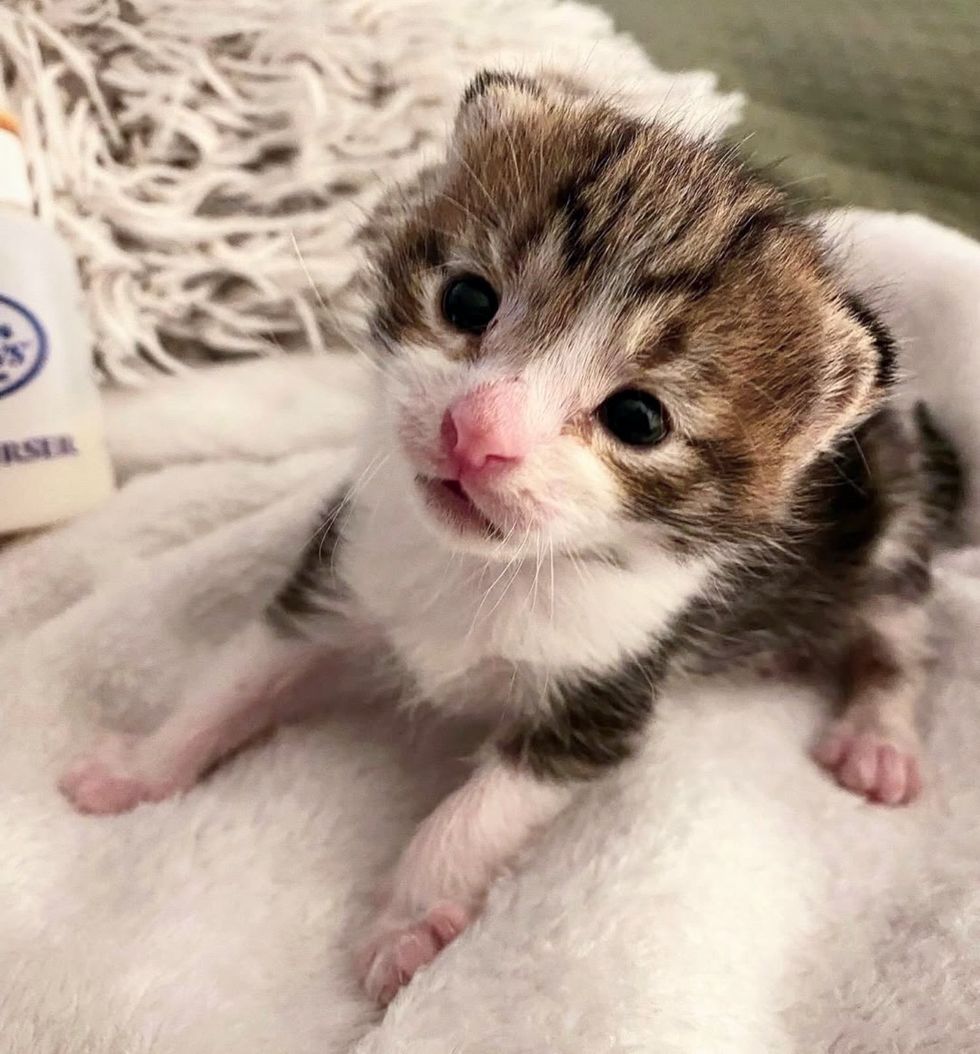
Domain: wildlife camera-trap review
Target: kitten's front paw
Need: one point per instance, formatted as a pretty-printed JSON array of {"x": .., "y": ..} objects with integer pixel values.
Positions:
[
  {"x": 108, "y": 779},
  {"x": 868, "y": 758},
  {"x": 397, "y": 950}
]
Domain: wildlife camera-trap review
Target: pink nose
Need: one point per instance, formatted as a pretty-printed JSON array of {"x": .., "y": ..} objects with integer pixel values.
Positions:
[{"x": 487, "y": 428}]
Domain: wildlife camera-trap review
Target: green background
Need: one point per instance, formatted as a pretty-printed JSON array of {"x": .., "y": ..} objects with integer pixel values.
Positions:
[{"x": 872, "y": 102}]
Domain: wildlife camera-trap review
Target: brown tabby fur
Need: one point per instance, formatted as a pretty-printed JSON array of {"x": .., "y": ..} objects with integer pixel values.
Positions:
[{"x": 710, "y": 292}]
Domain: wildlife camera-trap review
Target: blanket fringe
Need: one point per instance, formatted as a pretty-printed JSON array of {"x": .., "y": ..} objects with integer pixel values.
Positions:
[{"x": 211, "y": 160}]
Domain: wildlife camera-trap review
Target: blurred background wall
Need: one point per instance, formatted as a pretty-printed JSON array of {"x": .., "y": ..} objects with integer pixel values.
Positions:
[{"x": 870, "y": 102}]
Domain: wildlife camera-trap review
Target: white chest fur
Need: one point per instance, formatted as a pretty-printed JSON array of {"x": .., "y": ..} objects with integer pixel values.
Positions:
[{"x": 448, "y": 613}]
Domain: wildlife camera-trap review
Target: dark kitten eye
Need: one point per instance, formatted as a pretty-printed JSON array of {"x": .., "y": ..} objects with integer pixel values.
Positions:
[
  {"x": 469, "y": 303},
  {"x": 634, "y": 417}
]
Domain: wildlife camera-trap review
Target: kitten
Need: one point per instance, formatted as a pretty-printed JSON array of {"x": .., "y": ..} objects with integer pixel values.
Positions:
[{"x": 627, "y": 424}]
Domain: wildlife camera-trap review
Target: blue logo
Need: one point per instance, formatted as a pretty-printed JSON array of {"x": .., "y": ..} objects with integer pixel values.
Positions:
[{"x": 23, "y": 346}]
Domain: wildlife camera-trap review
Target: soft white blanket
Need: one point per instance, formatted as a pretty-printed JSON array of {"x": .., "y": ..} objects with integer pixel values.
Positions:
[{"x": 717, "y": 895}]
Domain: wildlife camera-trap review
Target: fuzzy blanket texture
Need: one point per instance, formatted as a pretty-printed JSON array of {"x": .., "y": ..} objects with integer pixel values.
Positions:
[{"x": 716, "y": 895}]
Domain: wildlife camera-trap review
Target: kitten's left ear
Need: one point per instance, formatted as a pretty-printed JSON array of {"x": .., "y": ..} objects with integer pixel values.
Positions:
[
  {"x": 887, "y": 371},
  {"x": 856, "y": 373}
]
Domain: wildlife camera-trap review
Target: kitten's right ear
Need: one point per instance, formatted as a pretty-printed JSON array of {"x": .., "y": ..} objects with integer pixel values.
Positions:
[
  {"x": 493, "y": 96},
  {"x": 493, "y": 83}
]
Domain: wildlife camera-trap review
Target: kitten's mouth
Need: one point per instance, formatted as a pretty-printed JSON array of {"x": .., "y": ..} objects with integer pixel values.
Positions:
[{"x": 448, "y": 500}]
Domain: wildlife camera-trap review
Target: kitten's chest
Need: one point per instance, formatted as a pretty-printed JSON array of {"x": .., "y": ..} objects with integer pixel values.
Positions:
[{"x": 462, "y": 625}]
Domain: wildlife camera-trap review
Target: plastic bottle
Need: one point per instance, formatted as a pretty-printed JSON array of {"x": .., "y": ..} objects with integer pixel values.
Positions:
[{"x": 53, "y": 457}]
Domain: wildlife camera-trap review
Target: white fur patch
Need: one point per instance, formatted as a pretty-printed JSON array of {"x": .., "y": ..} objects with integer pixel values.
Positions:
[
  {"x": 447, "y": 612},
  {"x": 463, "y": 845}
]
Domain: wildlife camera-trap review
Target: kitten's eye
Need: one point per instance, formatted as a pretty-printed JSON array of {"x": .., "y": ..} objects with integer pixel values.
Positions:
[
  {"x": 635, "y": 418},
  {"x": 469, "y": 303}
]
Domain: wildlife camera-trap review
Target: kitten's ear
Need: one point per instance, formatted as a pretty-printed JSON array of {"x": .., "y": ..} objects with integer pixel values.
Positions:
[
  {"x": 490, "y": 86},
  {"x": 857, "y": 372},
  {"x": 494, "y": 96},
  {"x": 886, "y": 372}
]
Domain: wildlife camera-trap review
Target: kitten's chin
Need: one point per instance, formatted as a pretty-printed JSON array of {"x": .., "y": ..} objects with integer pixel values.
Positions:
[
  {"x": 449, "y": 504},
  {"x": 458, "y": 520}
]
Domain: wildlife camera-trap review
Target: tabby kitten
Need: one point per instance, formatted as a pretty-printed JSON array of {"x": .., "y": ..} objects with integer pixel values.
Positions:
[{"x": 628, "y": 424}]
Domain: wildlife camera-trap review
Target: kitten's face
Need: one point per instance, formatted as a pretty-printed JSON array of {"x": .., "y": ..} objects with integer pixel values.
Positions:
[{"x": 594, "y": 332}]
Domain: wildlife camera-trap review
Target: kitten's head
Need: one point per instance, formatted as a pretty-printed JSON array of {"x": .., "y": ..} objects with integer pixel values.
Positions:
[{"x": 594, "y": 332}]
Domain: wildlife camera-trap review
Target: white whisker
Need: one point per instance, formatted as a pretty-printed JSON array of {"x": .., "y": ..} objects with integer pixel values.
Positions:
[
  {"x": 329, "y": 310},
  {"x": 362, "y": 481},
  {"x": 519, "y": 565},
  {"x": 486, "y": 594}
]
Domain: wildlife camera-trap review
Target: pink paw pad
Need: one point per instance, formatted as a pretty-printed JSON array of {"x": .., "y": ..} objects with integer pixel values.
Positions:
[
  {"x": 871, "y": 764},
  {"x": 391, "y": 960},
  {"x": 105, "y": 782},
  {"x": 93, "y": 788}
]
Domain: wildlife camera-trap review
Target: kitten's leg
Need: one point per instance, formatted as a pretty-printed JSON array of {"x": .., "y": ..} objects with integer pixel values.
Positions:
[
  {"x": 873, "y": 748},
  {"x": 250, "y": 685},
  {"x": 587, "y": 725},
  {"x": 590, "y": 724},
  {"x": 247, "y": 689},
  {"x": 444, "y": 873}
]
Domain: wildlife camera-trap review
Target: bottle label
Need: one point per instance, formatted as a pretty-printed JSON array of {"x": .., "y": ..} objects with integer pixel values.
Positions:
[
  {"x": 23, "y": 346},
  {"x": 36, "y": 448}
]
